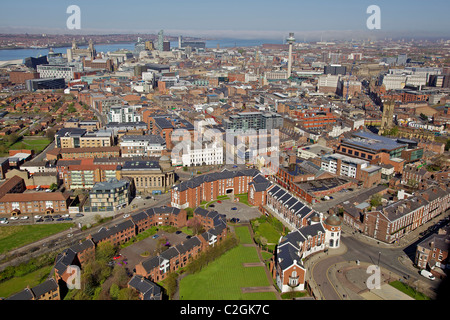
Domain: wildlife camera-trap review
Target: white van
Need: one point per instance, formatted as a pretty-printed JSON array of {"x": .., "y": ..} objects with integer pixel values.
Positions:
[{"x": 427, "y": 274}]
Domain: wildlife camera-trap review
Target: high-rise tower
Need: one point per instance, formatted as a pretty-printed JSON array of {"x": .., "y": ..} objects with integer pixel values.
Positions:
[
  {"x": 160, "y": 40},
  {"x": 290, "y": 40}
]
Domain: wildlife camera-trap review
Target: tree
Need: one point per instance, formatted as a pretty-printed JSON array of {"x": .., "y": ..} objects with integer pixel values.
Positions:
[
  {"x": 12, "y": 138},
  {"x": 375, "y": 200},
  {"x": 104, "y": 252},
  {"x": 161, "y": 245},
  {"x": 53, "y": 186},
  {"x": 424, "y": 117},
  {"x": 50, "y": 134},
  {"x": 128, "y": 294},
  {"x": 195, "y": 225},
  {"x": 114, "y": 291},
  {"x": 120, "y": 276},
  {"x": 171, "y": 284}
]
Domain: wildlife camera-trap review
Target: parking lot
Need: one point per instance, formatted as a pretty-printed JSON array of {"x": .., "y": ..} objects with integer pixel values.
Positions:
[
  {"x": 242, "y": 211},
  {"x": 133, "y": 252}
]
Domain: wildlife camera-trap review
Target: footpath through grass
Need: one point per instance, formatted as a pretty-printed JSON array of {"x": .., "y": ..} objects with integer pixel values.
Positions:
[{"x": 223, "y": 278}]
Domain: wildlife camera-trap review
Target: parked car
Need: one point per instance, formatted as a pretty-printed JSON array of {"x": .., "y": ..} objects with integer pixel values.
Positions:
[
  {"x": 4, "y": 222},
  {"x": 219, "y": 201},
  {"x": 117, "y": 257},
  {"x": 14, "y": 218},
  {"x": 24, "y": 218},
  {"x": 188, "y": 237},
  {"x": 68, "y": 219},
  {"x": 178, "y": 232},
  {"x": 57, "y": 216},
  {"x": 79, "y": 215},
  {"x": 126, "y": 216},
  {"x": 60, "y": 219},
  {"x": 234, "y": 208},
  {"x": 427, "y": 274},
  {"x": 37, "y": 216},
  {"x": 155, "y": 236},
  {"x": 211, "y": 206},
  {"x": 39, "y": 220},
  {"x": 66, "y": 215}
]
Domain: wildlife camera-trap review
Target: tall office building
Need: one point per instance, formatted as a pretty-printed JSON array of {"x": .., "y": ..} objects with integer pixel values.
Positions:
[
  {"x": 335, "y": 69},
  {"x": 160, "y": 45},
  {"x": 166, "y": 46}
]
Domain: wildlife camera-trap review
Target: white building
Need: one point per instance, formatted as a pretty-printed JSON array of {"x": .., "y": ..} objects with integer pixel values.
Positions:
[
  {"x": 123, "y": 114},
  {"x": 209, "y": 154},
  {"x": 57, "y": 71},
  {"x": 142, "y": 145},
  {"x": 394, "y": 81}
]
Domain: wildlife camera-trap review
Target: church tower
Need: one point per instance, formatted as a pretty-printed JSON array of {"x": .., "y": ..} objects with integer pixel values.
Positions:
[{"x": 387, "y": 121}]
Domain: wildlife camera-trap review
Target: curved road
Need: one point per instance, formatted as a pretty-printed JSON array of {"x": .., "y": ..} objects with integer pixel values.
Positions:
[{"x": 388, "y": 258}]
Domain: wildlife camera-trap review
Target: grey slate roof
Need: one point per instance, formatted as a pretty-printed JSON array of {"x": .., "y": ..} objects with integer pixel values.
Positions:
[
  {"x": 225, "y": 174},
  {"x": 147, "y": 288},
  {"x": 46, "y": 286}
]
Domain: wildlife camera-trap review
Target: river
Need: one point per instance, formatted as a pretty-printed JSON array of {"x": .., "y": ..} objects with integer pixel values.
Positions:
[{"x": 15, "y": 54}]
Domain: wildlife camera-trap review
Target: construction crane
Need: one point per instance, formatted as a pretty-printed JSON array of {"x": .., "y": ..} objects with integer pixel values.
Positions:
[{"x": 348, "y": 81}]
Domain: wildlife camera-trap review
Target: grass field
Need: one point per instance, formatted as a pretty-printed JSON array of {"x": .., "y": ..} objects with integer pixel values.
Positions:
[
  {"x": 16, "y": 236},
  {"x": 244, "y": 235},
  {"x": 17, "y": 284},
  {"x": 36, "y": 144},
  {"x": 224, "y": 278},
  {"x": 409, "y": 291}
]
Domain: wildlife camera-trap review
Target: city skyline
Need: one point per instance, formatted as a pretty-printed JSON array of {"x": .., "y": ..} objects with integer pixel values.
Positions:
[{"x": 241, "y": 20}]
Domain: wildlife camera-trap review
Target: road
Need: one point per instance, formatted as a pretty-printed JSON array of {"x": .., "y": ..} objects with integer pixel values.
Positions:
[
  {"x": 61, "y": 240},
  {"x": 388, "y": 258}
]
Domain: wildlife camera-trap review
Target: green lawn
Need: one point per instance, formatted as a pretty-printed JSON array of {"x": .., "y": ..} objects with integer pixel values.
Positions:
[
  {"x": 223, "y": 278},
  {"x": 243, "y": 198},
  {"x": 12, "y": 237},
  {"x": 268, "y": 231},
  {"x": 409, "y": 291},
  {"x": 17, "y": 284},
  {"x": 243, "y": 234},
  {"x": 36, "y": 144}
]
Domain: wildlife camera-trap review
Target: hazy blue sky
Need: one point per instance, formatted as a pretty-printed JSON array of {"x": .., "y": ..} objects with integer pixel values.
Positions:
[{"x": 234, "y": 18}]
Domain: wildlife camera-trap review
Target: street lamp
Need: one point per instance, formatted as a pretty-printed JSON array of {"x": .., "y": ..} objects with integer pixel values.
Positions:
[{"x": 379, "y": 254}]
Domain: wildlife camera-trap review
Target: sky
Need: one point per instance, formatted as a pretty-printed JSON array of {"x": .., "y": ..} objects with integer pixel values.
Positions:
[{"x": 271, "y": 19}]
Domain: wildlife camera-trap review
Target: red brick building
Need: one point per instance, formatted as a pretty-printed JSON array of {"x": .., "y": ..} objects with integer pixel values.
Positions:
[{"x": 210, "y": 186}]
